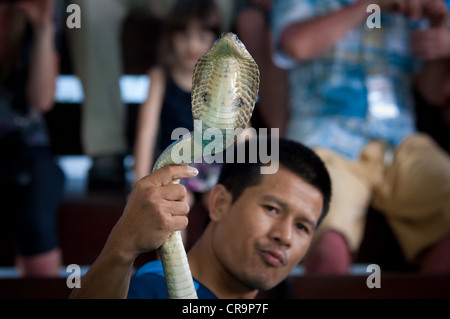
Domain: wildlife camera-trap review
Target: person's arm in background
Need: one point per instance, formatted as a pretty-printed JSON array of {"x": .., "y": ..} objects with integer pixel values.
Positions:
[
  {"x": 154, "y": 211},
  {"x": 44, "y": 66},
  {"x": 148, "y": 124},
  {"x": 307, "y": 39}
]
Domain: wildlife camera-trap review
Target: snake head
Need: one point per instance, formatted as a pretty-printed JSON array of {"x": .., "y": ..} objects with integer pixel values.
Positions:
[
  {"x": 229, "y": 44},
  {"x": 225, "y": 85}
]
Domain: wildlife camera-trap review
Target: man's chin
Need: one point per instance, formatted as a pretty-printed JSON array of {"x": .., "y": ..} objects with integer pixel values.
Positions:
[{"x": 261, "y": 282}]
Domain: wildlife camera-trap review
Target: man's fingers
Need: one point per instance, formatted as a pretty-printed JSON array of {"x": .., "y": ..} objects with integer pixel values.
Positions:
[
  {"x": 173, "y": 192},
  {"x": 176, "y": 218},
  {"x": 436, "y": 12},
  {"x": 180, "y": 223},
  {"x": 178, "y": 208},
  {"x": 167, "y": 174}
]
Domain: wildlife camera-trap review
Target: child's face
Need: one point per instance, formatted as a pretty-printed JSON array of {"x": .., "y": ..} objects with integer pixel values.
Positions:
[{"x": 191, "y": 44}]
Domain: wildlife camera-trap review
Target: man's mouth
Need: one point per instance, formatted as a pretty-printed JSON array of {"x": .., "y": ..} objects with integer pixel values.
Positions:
[{"x": 274, "y": 257}]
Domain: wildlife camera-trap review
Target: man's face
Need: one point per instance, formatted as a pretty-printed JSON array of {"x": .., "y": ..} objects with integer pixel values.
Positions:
[{"x": 267, "y": 231}]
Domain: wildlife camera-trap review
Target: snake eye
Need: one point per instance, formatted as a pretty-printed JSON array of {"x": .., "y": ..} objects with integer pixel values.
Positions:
[{"x": 240, "y": 102}]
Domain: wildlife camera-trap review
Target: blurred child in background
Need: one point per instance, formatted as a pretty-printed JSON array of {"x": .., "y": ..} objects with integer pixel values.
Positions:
[{"x": 191, "y": 29}]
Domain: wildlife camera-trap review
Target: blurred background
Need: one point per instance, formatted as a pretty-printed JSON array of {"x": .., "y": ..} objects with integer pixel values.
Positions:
[{"x": 89, "y": 208}]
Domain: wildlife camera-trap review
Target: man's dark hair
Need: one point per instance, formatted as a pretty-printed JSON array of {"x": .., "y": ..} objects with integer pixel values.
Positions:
[{"x": 296, "y": 157}]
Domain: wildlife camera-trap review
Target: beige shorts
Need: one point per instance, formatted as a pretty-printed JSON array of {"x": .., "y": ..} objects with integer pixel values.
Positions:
[{"x": 413, "y": 192}]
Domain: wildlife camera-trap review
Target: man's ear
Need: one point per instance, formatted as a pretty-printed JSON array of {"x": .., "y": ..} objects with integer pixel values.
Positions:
[{"x": 220, "y": 200}]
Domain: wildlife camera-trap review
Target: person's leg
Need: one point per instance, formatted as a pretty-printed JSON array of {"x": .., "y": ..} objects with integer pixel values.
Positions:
[
  {"x": 46, "y": 264},
  {"x": 39, "y": 253},
  {"x": 341, "y": 232},
  {"x": 97, "y": 59},
  {"x": 415, "y": 196},
  {"x": 437, "y": 259},
  {"x": 329, "y": 253}
]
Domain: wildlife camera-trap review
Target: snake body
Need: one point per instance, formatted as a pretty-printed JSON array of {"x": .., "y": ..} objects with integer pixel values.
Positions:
[{"x": 225, "y": 85}]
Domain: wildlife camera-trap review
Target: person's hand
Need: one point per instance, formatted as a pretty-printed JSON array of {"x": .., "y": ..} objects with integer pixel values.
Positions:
[
  {"x": 409, "y": 8},
  {"x": 431, "y": 44},
  {"x": 434, "y": 42},
  {"x": 434, "y": 10},
  {"x": 38, "y": 12},
  {"x": 154, "y": 211}
]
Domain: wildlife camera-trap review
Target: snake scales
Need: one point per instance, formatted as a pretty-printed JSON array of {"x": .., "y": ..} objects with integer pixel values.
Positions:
[{"x": 225, "y": 85}]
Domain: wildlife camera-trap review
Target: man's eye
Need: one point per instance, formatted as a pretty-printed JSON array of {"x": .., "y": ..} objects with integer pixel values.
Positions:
[{"x": 270, "y": 208}]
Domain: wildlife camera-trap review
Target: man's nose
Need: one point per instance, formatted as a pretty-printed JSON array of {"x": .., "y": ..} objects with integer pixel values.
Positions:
[{"x": 281, "y": 232}]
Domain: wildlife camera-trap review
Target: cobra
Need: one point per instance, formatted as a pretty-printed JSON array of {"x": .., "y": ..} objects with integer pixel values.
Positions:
[{"x": 225, "y": 85}]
